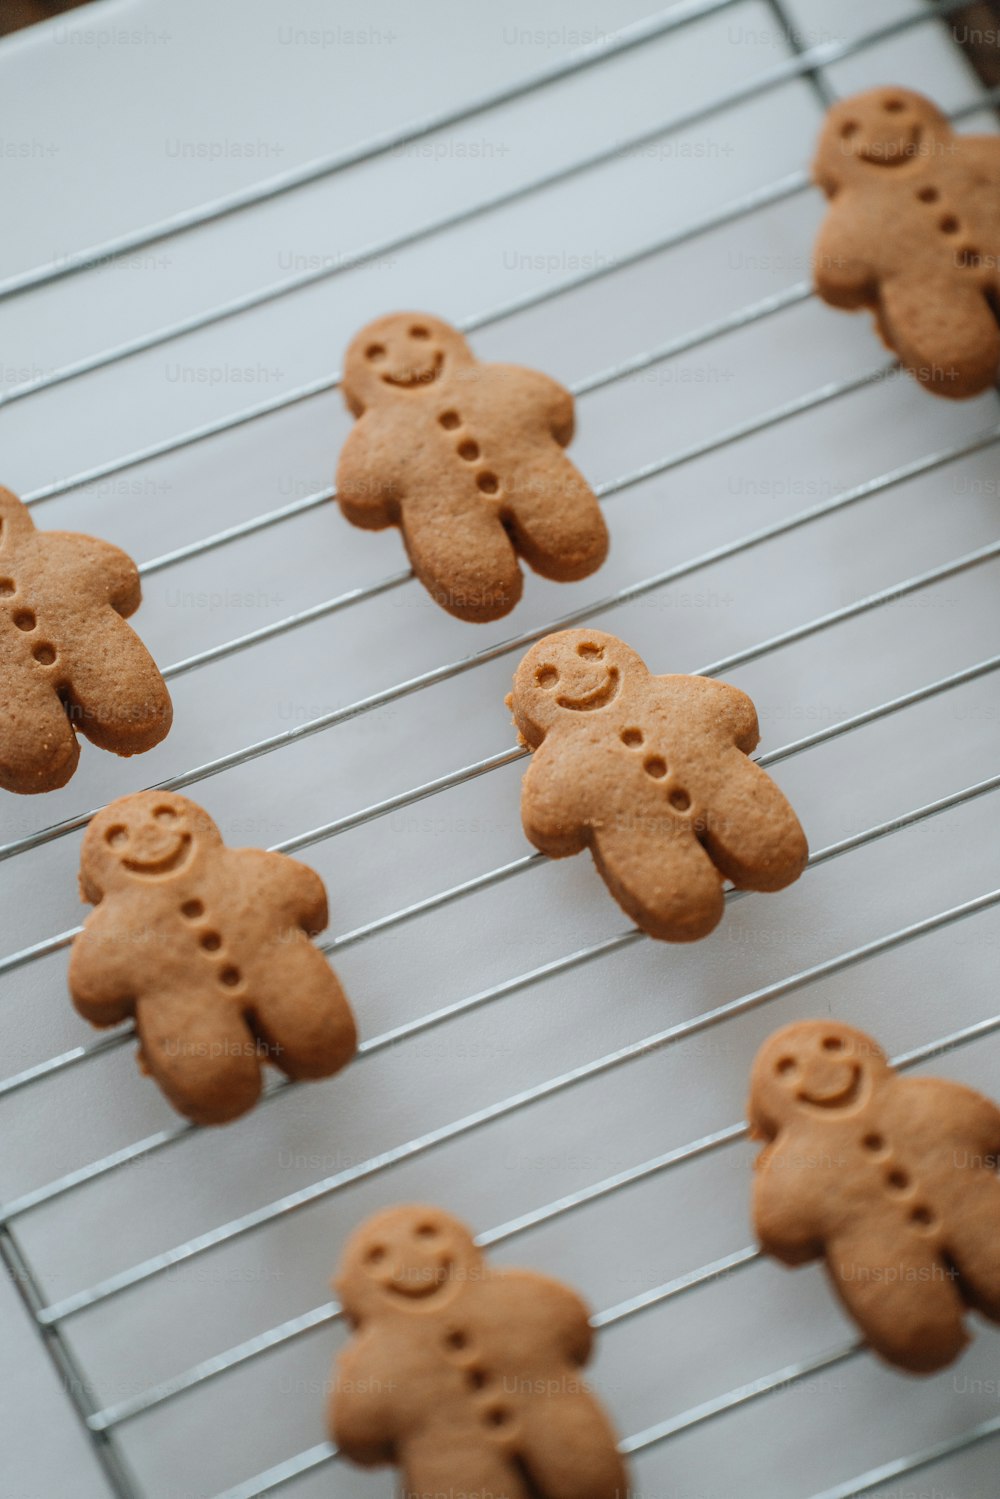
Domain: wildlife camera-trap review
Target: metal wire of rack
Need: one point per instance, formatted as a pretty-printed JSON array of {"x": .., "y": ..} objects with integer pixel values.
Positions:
[{"x": 52, "y": 1315}]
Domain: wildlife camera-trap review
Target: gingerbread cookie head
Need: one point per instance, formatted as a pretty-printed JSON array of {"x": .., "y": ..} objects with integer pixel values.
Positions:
[
  {"x": 405, "y": 356},
  {"x": 880, "y": 133},
  {"x": 813, "y": 1070},
  {"x": 568, "y": 675},
  {"x": 409, "y": 1259},
  {"x": 144, "y": 839}
]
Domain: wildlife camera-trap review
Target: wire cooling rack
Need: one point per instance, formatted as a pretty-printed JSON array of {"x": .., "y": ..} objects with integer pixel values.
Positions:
[{"x": 786, "y": 511}]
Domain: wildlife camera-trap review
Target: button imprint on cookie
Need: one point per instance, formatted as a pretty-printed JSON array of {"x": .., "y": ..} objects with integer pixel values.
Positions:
[
  {"x": 44, "y": 655},
  {"x": 450, "y": 420},
  {"x": 488, "y": 483},
  {"x": 655, "y": 766},
  {"x": 632, "y": 737}
]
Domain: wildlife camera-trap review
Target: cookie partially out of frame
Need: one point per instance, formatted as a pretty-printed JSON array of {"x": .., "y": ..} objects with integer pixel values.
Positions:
[
  {"x": 210, "y": 950},
  {"x": 69, "y": 664},
  {"x": 467, "y": 460},
  {"x": 891, "y": 1180},
  {"x": 913, "y": 232},
  {"x": 468, "y": 1378},
  {"x": 653, "y": 775}
]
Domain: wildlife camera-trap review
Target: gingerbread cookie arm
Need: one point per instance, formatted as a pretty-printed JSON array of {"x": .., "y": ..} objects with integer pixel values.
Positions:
[
  {"x": 104, "y": 572},
  {"x": 788, "y": 1198},
  {"x": 104, "y": 975},
  {"x": 360, "y": 1413},
  {"x": 945, "y": 334},
  {"x": 116, "y": 695},
  {"x": 717, "y": 705},
  {"x": 968, "y": 1120},
  {"x": 292, "y": 891},
  {"x": 368, "y": 489},
  {"x": 554, "y": 1309},
  {"x": 900, "y": 1294},
  {"x": 554, "y": 805},
  {"x": 844, "y": 272},
  {"x": 543, "y": 399}
]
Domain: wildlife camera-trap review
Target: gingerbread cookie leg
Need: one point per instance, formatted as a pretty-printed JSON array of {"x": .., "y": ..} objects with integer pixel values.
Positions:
[
  {"x": 38, "y": 749},
  {"x": 975, "y": 1254},
  {"x": 751, "y": 831},
  {"x": 947, "y": 337},
  {"x": 908, "y": 1308},
  {"x": 462, "y": 1464},
  {"x": 300, "y": 1012},
  {"x": 570, "y": 1453},
  {"x": 557, "y": 523},
  {"x": 662, "y": 878},
  {"x": 201, "y": 1052},
  {"x": 464, "y": 560}
]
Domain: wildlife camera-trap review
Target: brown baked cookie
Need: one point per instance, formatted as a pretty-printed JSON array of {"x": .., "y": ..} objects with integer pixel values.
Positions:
[
  {"x": 209, "y": 949},
  {"x": 891, "y": 1180},
  {"x": 652, "y": 775},
  {"x": 913, "y": 232},
  {"x": 466, "y": 1377},
  {"x": 467, "y": 460},
  {"x": 69, "y": 664}
]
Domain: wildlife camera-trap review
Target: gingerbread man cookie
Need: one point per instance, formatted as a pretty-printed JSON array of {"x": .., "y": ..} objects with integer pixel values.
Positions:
[
  {"x": 891, "y": 1180},
  {"x": 69, "y": 664},
  {"x": 467, "y": 460},
  {"x": 652, "y": 774},
  {"x": 913, "y": 232},
  {"x": 468, "y": 1378},
  {"x": 209, "y": 949}
]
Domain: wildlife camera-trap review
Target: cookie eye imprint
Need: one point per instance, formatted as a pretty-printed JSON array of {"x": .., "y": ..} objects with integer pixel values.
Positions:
[
  {"x": 547, "y": 677},
  {"x": 786, "y": 1067},
  {"x": 374, "y": 352},
  {"x": 893, "y": 106},
  {"x": 117, "y": 837},
  {"x": 165, "y": 814},
  {"x": 833, "y": 1043},
  {"x": 426, "y": 1230},
  {"x": 590, "y": 652},
  {"x": 419, "y": 331},
  {"x": 375, "y": 1255}
]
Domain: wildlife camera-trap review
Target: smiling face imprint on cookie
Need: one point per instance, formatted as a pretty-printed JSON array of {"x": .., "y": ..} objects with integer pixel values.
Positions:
[
  {"x": 399, "y": 357},
  {"x": 158, "y": 839},
  {"x": 882, "y": 130},
  {"x": 575, "y": 672},
  {"x": 824, "y": 1069},
  {"x": 409, "y": 1258}
]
